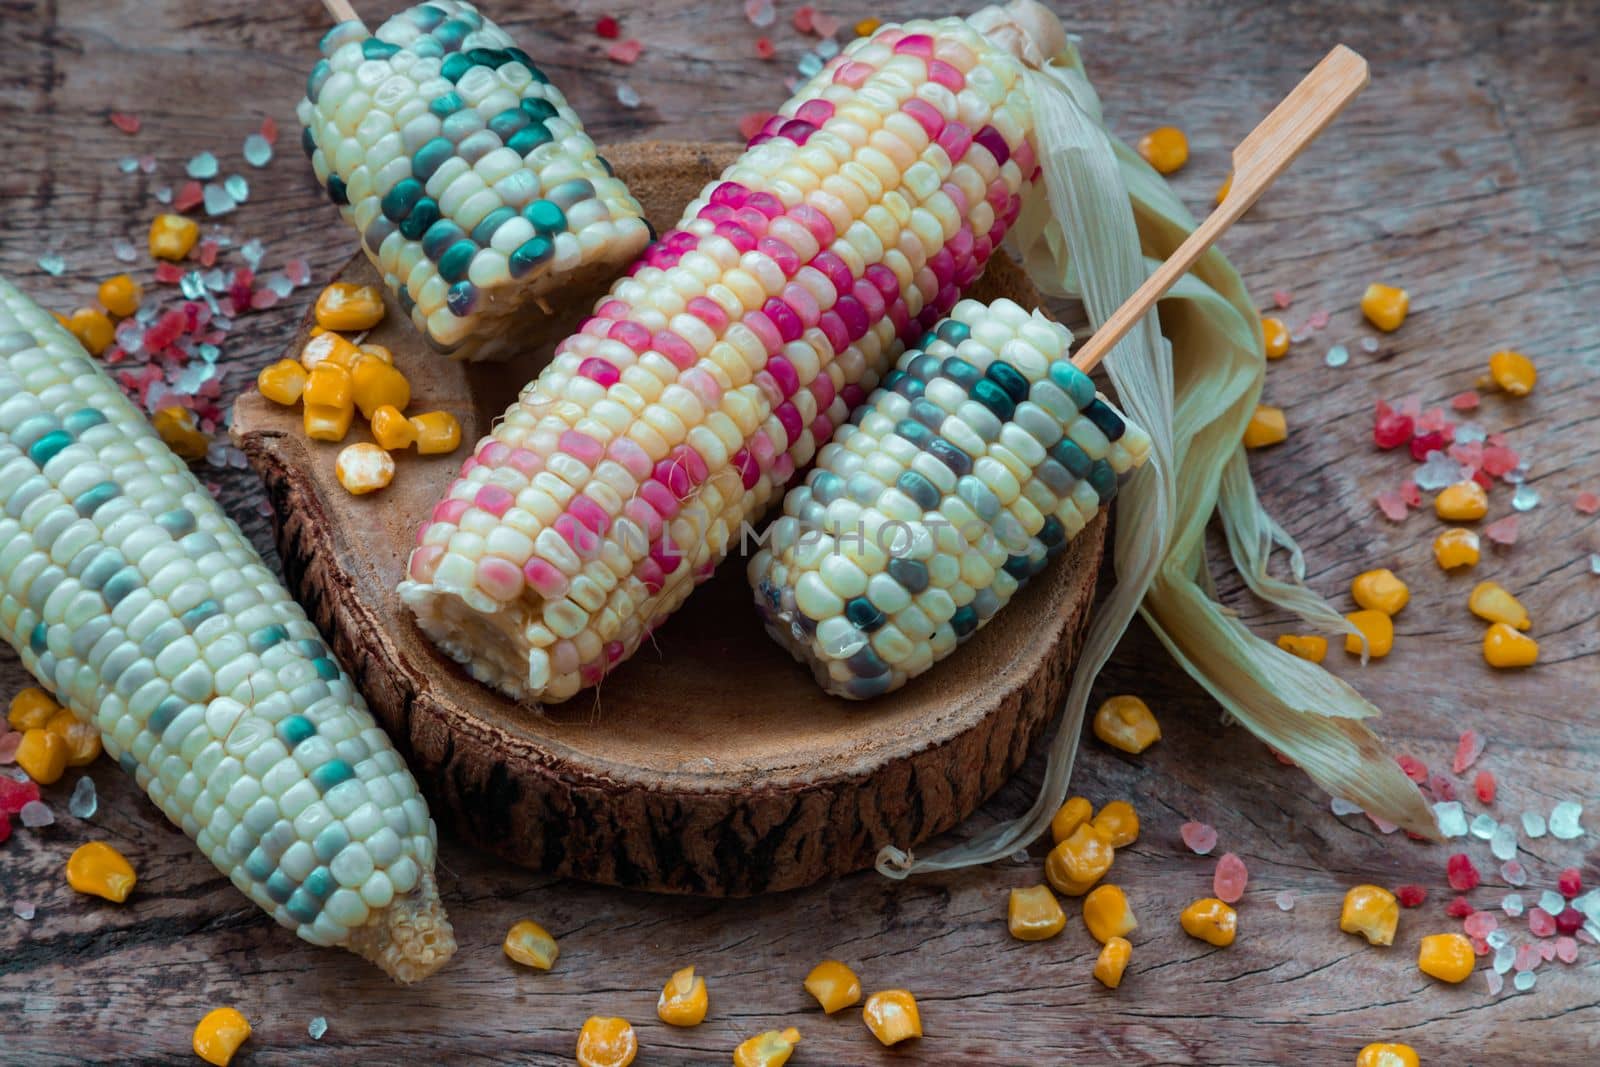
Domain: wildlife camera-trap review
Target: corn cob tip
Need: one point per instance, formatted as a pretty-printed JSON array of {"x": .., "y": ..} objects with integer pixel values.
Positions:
[
  {"x": 411, "y": 938},
  {"x": 1026, "y": 28}
]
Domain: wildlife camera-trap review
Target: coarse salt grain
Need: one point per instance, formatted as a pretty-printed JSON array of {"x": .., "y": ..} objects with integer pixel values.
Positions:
[
  {"x": 1533, "y": 824},
  {"x": 1524, "y": 981},
  {"x": 1285, "y": 901},
  {"x": 1494, "y": 981},
  {"x": 1526, "y": 498},
  {"x": 1342, "y": 807},
  {"x": 1504, "y": 956},
  {"x": 627, "y": 96},
  {"x": 1527, "y": 958},
  {"x": 1502, "y": 531},
  {"x": 1410, "y": 896},
  {"x": 22, "y": 909},
  {"x": 257, "y": 150},
  {"x": 84, "y": 802},
  {"x": 1393, "y": 505},
  {"x": 1462, "y": 872},
  {"x": 1369, "y": 345},
  {"x": 1468, "y": 748},
  {"x": 1337, "y": 356},
  {"x": 1504, "y": 842},
  {"x": 1230, "y": 878},
  {"x": 36, "y": 814},
  {"x": 1200, "y": 837},
  {"x": 1564, "y": 820},
  {"x": 317, "y": 1027},
  {"x": 1483, "y": 827},
  {"x": 1452, "y": 819},
  {"x": 1512, "y": 872},
  {"x": 624, "y": 52},
  {"x": 1587, "y": 502},
  {"x": 9, "y": 741},
  {"x": 202, "y": 166},
  {"x": 1566, "y": 950},
  {"x": 125, "y": 122}
]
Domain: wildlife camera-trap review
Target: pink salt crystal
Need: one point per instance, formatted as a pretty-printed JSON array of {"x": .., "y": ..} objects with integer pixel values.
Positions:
[
  {"x": 1547, "y": 950},
  {"x": 263, "y": 298},
  {"x": 624, "y": 52},
  {"x": 1200, "y": 837},
  {"x": 1409, "y": 405},
  {"x": 1502, "y": 531},
  {"x": 1527, "y": 958},
  {"x": 1495, "y": 982},
  {"x": 208, "y": 252},
  {"x": 1415, "y": 769},
  {"x": 1480, "y": 947},
  {"x": 1411, "y": 494},
  {"x": 1468, "y": 749},
  {"x": 1434, "y": 419},
  {"x": 1319, "y": 319},
  {"x": 1498, "y": 459},
  {"x": 8, "y": 746},
  {"x": 1566, "y": 950},
  {"x": 1384, "y": 825},
  {"x": 298, "y": 271},
  {"x": 269, "y": 129},
  {"x": 125, "y": 122},
  {"x": 1480, "y": 924},
  {"x": 1442, "y": 788},
  {"x": 1465, "y": 401},
  {"x": 824, "y": 26},
  {"x": 1463, "y": 874},
  {"x": 1282, "y": 298},
  {"x": 1587, "y": 502},
  {"x": 803, "y": 16},
  {"x": 1393, "y": 505},
  {"x": 1229, "y": 880},
  {"x": 189, "y": 195},
  {"x": 1541, "y": 922},
  {"x": 168, "y": 273},
  {"x": 751, "y": 123}
]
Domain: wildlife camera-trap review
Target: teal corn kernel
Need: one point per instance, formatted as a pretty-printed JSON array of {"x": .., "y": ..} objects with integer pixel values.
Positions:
[
  {"x": 483, "y": 233},
  {"x": 49, "y": 446},
  {"x": 1077, "y": 385},
  {"x": 993, "y": 397},
  {"x": 508, "y": 122},
  {"x": 545, "y": 216},
  {"x": 1071, "y": 455},
  {"x": 90, "y": 499},
  {"x": 530, "y": 137},
  {"x": 431, "y": 156},
  {"x": 372, "y": 48},
  {"x": 83, "y": 419},
  {"x": 454, "y": 66},
  {"x": 294, "y": 729},
  {"x": 531, "y": 253},
  {"x": 1010, "y": 379},
  {"x": 424, "y": 213},
  {"x": 1107, "y": 421},
  {"x": 398, "y": 201},
  {"x": 447, "y": 105},
  {"x": 337, "y": 191},
  {"x": 326, "y": 669},
  {"x": 1104, "y": 480},
  {"x": 266, "y": 637},
  {"x": 331, "y": 774},
  {"x": 538, "y": 109},
  {"x": 455, "y": 260},
  {"x": 961, "y": 372}
]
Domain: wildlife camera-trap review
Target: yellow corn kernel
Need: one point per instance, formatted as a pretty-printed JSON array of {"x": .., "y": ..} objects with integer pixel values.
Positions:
[
  {"x": 1461, "y": 502},
  {"x": 892, "y": 1016},
  {"x": 531, "y": 945},
  {"x": 328, "y": 385},
  {"x": 93, "y": 328},
  {"x": 348, "y": 307},
  {"x": 328, "y": 348},
  {"x": 374, "y": 383},
  {"x": 1267, "y": 426},
  {"x": 1491, "y": 602},
  {"x": 98, "y": 870},
  {"x": 1386, "y": 1055},
  {"x": 1380, "y": 590},
  {"x": 1077, "y": 863},
  {"x": 1112, "y": 961},
  {"x": 218, "y": 1036},
  {"x": 30, "y": 709},
  {"x": 606, "y": 1041},
  {"x": 120, "y": 295},
  {"x": 391, "y": 429},
  {"x": 282, "y": 382},
  {"x": 771, "y": 1049},
  {"x": 1385, "y": 306},
  {"x": 1074, "y": 813},
  {"x": 1447, "y": 957},
  {"x": 1034, "y": 914},
  {"x": 181, "y": 431},
  {"x": 683, "y": 999},
  {"x": 1165, "y": 148},
  {"x": 1372, "y": 912},
  {"x": 1513, "y": 372},
  {"x": 1276, "y": 335},
  {"x": 834, "y": 985},
  {"x": 43, "y": 755},
  {"x": 1126, "y": 723},
  {"x": 1504, "y": 647},
  {"x": 1118, "y": 822},
  {"x": 867, "y": 27},
  {"x": 171, "y": 236},
  {"x": 323, "y": 423},
  {"x": 1313, "y": 647},
  {"x": 1456, "y": 547},
  {"x": 368, "y": 350},
  {"x": 1376, "y": 627},
  {"x": 438, "y": 432},
  {"x": 1106, "y": 913},
  {"x": 364, "y": 468},
  {"x": 1211, "y": 921},
  {"x": 1222, "y": 190},
  {"x": 82, "y": 738},
  {"x": 65, "y": 322}
]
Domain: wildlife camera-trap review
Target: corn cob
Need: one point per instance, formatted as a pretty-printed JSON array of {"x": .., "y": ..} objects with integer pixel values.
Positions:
[
  {"x": 981, "y": 456},
  {"x": 128, "y": 592},
  {"x": 714, "y": 370},
  {"x": 471, "y": 181}
]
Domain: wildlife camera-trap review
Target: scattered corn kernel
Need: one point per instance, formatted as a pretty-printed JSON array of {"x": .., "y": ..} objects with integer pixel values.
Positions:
[
  {"x": 1276, "y": 335},
  {"x": 771, "y": 1049},
  {"x": 348, "y": 307},
  {"x": 120, "y": 295},
  {"x": 328, "y": 385},
  {"x": 606, "y": 1041},
  {"x": 368, "y": 350},
  {"x": 1385, "y": 306},
  {"x": 391, "y": 429},
  {"x": 181, "y": 431},
  {"x": 43, "y": 755},
  {"x": 1034, "y": 914},
  {"x": 1372, "y": 912},
  {"x": 82, "y": 738},
  {"x": 1112, "y": 961},
  {"x": 1211, "y": 921},
  {"x": 323, "y": 423},
  {"x": 1222, "y": 190},
  {"x": 1513, "y": 372},
  {"x": 1380, "y": 590},
  {"x": 374, "y": 383},
  {"x": 1461, "y": 502},
  {"x": 1165, "y": 148},
  {"x": 1376, "y": 627},
  {"x": 1313, "y": 647},
  {"x": 437, "y": 432},
  {"x": 1456, "y": 547},
  {"x": 328, "y": 348},
  {"x": 1074, "y": 813},
  {"x": 683, "y": 999},
  {"x": 1492, "y": 602},
  {"x": 1267, "y": 426},
  {"x": 1077, "y": 863},
  {"x": 892, "y": 1016},
  {"x": 1384, "y": 1055},
  {"x": 1106, "y": 913},
  {"x": 834, "y": 985},
  {"x": 218, "y": 1036},
  {"x": 99, "y": 870},
  {"x": 282, "y": 382},
  {"x": 92, "y": 327},
  {"x": 31, "y": 708},
  {"x": 531, "y": 945},
  {"x": 1504, "y": 647},
  {"x": 1447, "y": 957},
  {"x": 364, "y": 468},
  {"x": 1126, "y": 723},
  {"x": 1118, "y": 822},
  {"x": 171, "y": 236},
  {"x": 867, "y": 27}
]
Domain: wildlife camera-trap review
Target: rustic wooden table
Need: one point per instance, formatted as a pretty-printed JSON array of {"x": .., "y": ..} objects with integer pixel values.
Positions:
[{"x": 1466, "y": 174}]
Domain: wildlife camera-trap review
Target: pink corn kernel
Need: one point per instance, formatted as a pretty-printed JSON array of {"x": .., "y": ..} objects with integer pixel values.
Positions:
[
  {"x": 450, "y": 511},
  {"x": 494, "y": 499},
  {"x": 500, "y": 578},
  {"x": 944, "y": 74},
  {"x": 1229, "y": 880},
  {"x": 583, "y": 540},
  {"x": 424, "y": 561},
  {"x": 642, "y": 515},
  {"x": 1200, "y": 837}
]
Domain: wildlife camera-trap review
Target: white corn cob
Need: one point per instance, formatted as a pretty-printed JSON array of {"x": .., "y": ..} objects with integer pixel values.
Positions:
[
  {"x": 471, "y": 181},
  {"x": 129, "y": 594},
  {"x": 978, "y": 459},
  {"x": 717, "y": 368}
]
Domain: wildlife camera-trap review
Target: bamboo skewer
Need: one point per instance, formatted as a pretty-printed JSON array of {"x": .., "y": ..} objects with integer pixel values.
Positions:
[{"x": 341, "y": 11}]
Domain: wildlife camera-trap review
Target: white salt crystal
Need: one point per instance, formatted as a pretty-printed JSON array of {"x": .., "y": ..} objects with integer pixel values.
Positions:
[
  {"x": 84, "y": 802},
  {"x": 1594, "y": 563},
  {"x": 1285, "y": 900},
  {"x": 124, "y": 251},
  {"x": 218, "y": 201},
  {"x": 1511, "y": 904},
  {"x": 52, "y": 264},
  {"x": 1564, "y": 820},
  {"x": 36, "y": 813},
  {"x": 1452, "y": 819},
  {"x": 1337, "y": 356},
  {"x": 1468, "y": 432},
  {"x": 237, "y": 187},
  {"x": 1494, "y": 981},
  {"x": 1504, "y": 957},
  {"x": 1523, "y": 981},
  {"x": 253, "y": 252},
  {"x": 164, "y": 194},
  {"x": 23, "y": 909},
  {"x": 1514, "y": 873},
  {"x": 627, "y": 95},
  {"x": 1342, "y": 807},
  {"x": 1497, "y": 939},
  {"x": 202, "y": 166},
  {"x": 1369, "y": 345},
  {"x": 1438, "y": 471},
  {"x": 317, "y": 1027},
  {"x": 1483, "y": 827},
  {"x": 128, "y": 164},
  {"x": 1504, "y": 842},
  {"x": 10, "y": 740},
  {"x": 1552, "y": 902},
  {"x": 257, "y": 150},
  {"x": 1526, "y": 498},
  {"x": 1533, "y": 824}
]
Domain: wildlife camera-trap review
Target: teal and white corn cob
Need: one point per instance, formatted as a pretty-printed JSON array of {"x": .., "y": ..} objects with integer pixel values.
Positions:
[
  {"x": 979, "y": 457},
  {"x": 130, "y": 594}
]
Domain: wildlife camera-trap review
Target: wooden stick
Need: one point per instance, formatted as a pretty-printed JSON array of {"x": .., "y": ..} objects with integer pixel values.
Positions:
[
  {"x": 1257, "y": 162},
  {"x": 341, "y": 11}
]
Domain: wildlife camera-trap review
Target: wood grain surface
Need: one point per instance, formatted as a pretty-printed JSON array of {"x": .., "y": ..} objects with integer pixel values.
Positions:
[{"x": 1466, "y": 173}]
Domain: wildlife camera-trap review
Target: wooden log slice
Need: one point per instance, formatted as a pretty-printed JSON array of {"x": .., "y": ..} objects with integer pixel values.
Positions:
[{"x": 710, "y": 763}]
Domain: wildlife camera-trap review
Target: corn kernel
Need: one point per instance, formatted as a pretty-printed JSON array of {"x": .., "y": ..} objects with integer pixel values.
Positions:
[
  {"x": 771, "y": 1049},
  {"x": 1372, "y": 912},
  {"x": 1386, "y": 1055},
  {"x": 82, "y": 738},
  {"x": 1380, "y": 590},
  {"x": 1165, "y": 148},
  {"x": 683, "y": 999},
  {"x": 1224, "y": 188},
  {"x": 1504, "y": 647},
  {"x": 531, "y": 945},
  {"x": 867, "y": 27},
  {"x": 368, "y": 350},
  {"x": 31, "y": 708},
  {"x": 282, "y": 382},
  {"x": 1376, "y": 627},
  {"x": 1106, "y": 913},
  {"x": 171, "y": 236},
  {"x": 328, "y": 348},
  {"x": 1126, "y": 723},
  {"x": 98, "y": 870},
  {"x": 1447, "y": 957},
  {"x": 43, "y": 755},
  {"x": 1456, "y": 547},
  {"x": 328, "y": 385},
  {"x": 1276, "y": 335},
  {"x": 1513, "y": 372},
  {"x": 1461, "y": 502},
  {"x": 606, "y": 1041},
  {"x": 1385, "y": 306},
  {"x": 1267, "y": 426},
  {"x": 323, "y": 423},
  {"x": 1211, "y": 921},
  {"x": 374, "y": 383},
  {"x": 1313, "y": 647},
  {"x": 364, "y": 468},
  {"x": 348, "y": 307},
  {"x": 120, "y": 295},
  {"x": 218, "y": 1036},
  {"x": 1034, "y": 914},
  {"x": 892, "y": 1016},
  {"x": 438, "y": 432},
  {"x": 1112, "y": 961},
  {"x": 1492, "y": 602},
  {"x": 1119, "y": 822},
  {"x": 391, "y": 429},
  {"x": 93, "y": 329},
  {"x": 1077, "y": 863},
  {"x": 1074, "y": 813},
  {"x": 181, "y": 431},
  {"x": 834, "y": 985}
]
